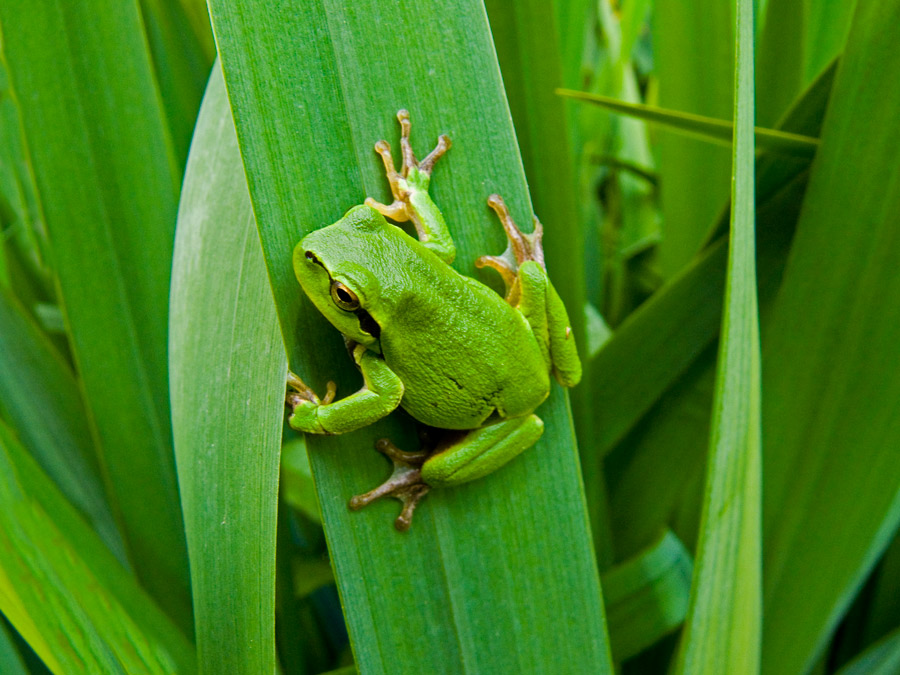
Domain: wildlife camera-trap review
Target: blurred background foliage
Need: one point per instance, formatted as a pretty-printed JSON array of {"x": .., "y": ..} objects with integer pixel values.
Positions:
[{"x": 141, "y": 373}]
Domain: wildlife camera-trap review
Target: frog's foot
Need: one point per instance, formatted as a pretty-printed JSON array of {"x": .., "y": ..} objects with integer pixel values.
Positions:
[
  {"x": 405, "y": 483},
  {"x": 298, "y": 392},
  {"x": 521, "y": 246},
  {"x": 411, "y": 171}
]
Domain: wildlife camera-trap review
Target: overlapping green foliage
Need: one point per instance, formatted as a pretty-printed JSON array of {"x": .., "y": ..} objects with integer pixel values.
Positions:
[{"x": 739, "y": 491}]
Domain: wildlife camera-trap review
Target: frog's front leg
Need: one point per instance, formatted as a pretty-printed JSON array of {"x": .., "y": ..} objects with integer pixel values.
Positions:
[
  {"x": 458, "y": 458},
  {"x": 380, "y": 395},
  {"x": 410, "y": 189}
]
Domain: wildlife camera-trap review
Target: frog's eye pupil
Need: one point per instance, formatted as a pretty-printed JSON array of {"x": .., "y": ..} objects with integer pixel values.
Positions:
[{"x": 343, "y": 297}]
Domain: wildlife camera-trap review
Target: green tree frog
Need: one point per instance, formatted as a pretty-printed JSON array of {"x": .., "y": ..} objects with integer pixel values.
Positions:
[{"x": 453, "y": 353}]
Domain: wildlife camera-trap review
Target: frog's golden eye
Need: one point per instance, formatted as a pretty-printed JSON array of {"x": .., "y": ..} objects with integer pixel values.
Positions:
[{"x": 343, "y": 297}]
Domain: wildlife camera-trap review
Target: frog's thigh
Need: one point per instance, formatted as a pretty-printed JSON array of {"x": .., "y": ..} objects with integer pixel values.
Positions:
[{"x": 481, "y": 451}]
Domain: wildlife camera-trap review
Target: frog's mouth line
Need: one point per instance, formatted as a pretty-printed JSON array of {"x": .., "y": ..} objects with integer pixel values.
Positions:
[{"x": 366, "y": 323}]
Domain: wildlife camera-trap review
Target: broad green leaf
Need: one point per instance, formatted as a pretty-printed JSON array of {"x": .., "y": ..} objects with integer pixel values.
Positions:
[
  {"x": 41, "y": 401},
  {"x": 312, "y": 88},
  {"x": 227, "y": 371},
  {"x": 827, "y": 24},
  {"x": 722, "y": 630},
  {"x": 653, "y": 468},
  {"x": 181, "y": 64},
  {"x": 693, "y": 52},
  {"x": 700, "y": 126},
  {"x": 23, "y": 239},
  {"x": 647, "y": 596},
  {"x": 779, "y": 71},
  {"x": 832, "y": 465},
  {"x": 656, "y": 345},
  {"x": 68, "y": 597},
  {"x": 108, "y": 185},
  {"x": 882, "y": 658}
]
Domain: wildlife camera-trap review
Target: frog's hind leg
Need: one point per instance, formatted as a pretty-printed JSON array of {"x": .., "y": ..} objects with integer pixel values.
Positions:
[
  {"x": 459, "y": 456},
  {"x": 528, "y": 288},
  {"x": 405, "y": 483},
  {"x": 522, "y": 248},
  {"x": 481, "y": 451}
]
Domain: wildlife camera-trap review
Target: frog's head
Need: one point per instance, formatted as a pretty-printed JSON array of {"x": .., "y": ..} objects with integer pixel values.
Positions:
[{"x": 332, "y": 265}]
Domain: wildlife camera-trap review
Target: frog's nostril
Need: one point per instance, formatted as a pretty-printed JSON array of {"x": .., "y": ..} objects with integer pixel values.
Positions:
[{"x": 311, "y": 257}]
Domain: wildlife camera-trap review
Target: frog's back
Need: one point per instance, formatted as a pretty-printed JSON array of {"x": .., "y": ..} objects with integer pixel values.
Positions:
[{"x": 463, "y": 354}]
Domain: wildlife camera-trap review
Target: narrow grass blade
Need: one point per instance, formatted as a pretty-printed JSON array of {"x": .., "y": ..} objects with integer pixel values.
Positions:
[
  {"x": 647, "y": 596},
  {"x": 108, "y": 185},
  {"x": 227, "y": 371},
  {"x": 723, "y": 627},
  {"x": 627, "y": 224},
  {"x": 64, "y": 592},
  {"x": 312, "y": 87},
  {"x": 700, "y": 126},
  {"x": 832, "y": 468},
  {"x": 693, "y": 53},
  {"x": 41, "y": 401},
  {"x": 633, "y": 19},
  {"x": 882, "y": 658}
]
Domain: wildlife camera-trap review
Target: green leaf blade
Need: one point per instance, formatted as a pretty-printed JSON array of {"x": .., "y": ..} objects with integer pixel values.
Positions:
[
  {"x": 701, "y": 126},
  {"x": 468, "y": 568},
  {"x": 41, "y": 401},
  {"x": 694, "y": 56},
  {"x": 65, "y": 593},
  {"x": 227, "y": 418},
  {"x": 647, "y": 595},
  {"x": 108, "y": 186},
  {"x": 832, "y": 469},
  {"x": 723, "y": 627},
  {"x": 882, "y": 658}
]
